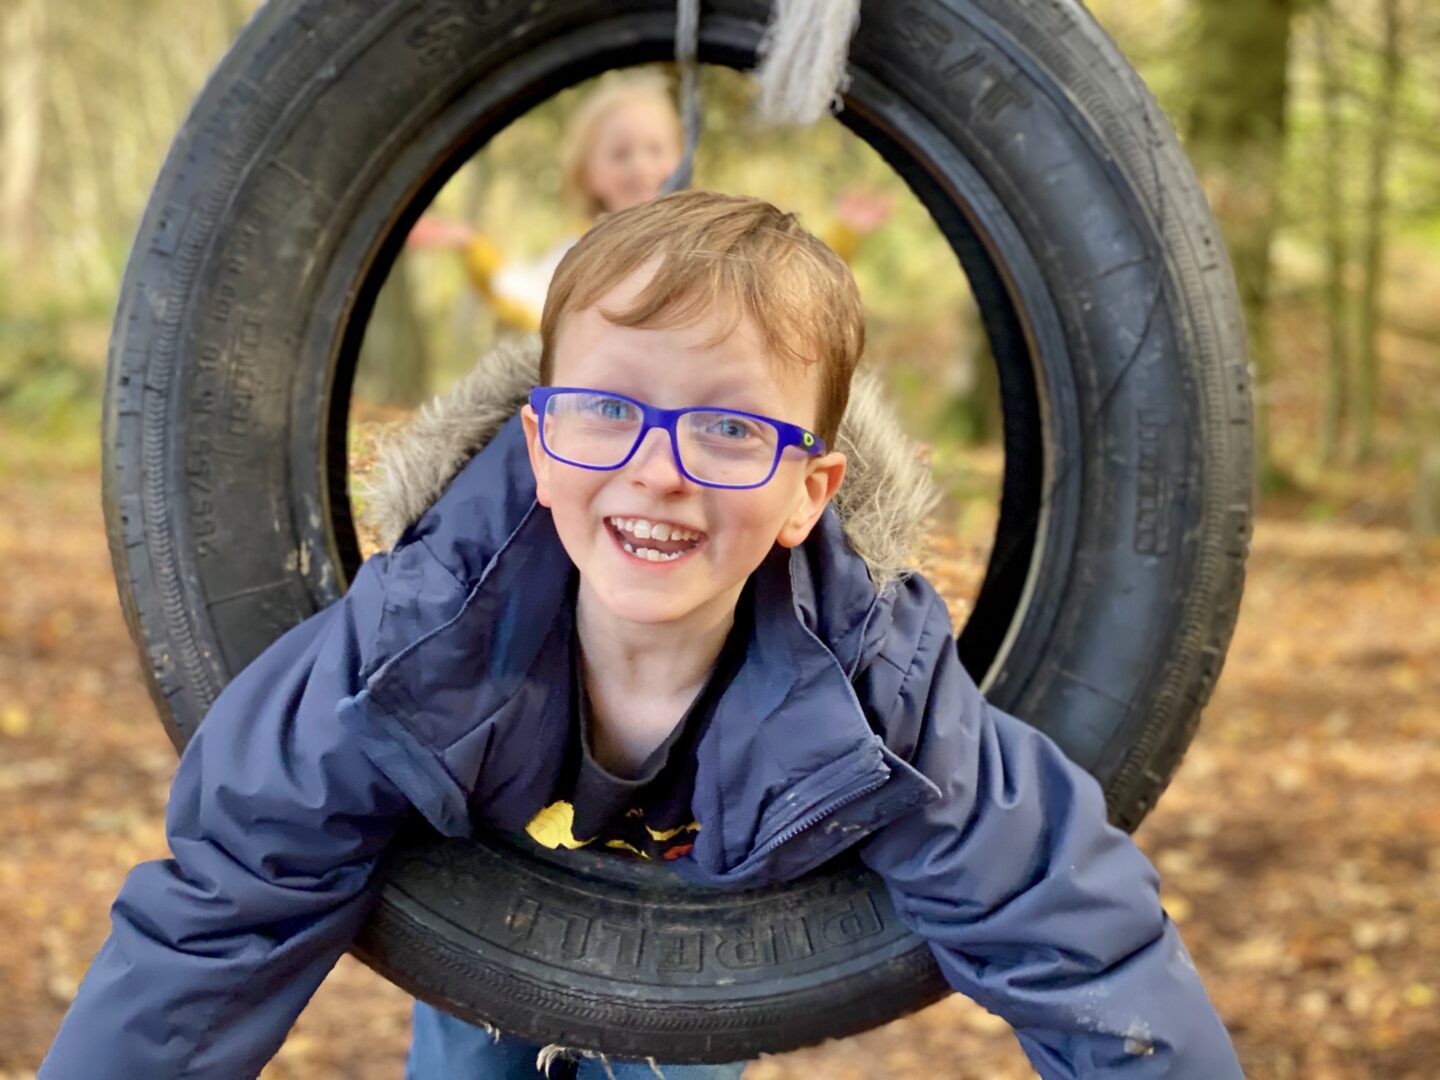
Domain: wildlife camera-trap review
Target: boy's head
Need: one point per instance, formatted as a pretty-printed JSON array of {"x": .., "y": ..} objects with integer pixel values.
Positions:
[
  {"x": 696, "y": 299},
  {"x": 621, "y": 145}
]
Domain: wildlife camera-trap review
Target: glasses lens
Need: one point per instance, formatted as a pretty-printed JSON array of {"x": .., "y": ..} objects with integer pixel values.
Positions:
[
  {"x": 590, "y": 428},
  {"x": 724, "y": 448}
]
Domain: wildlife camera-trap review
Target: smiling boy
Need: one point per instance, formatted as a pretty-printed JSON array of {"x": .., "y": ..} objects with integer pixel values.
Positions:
[
  {"x": 637, "y": 598},
  {"x": 650, "y": 626}
]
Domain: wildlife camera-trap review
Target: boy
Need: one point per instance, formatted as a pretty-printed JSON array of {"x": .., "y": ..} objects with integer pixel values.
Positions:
[{"x": 647, "y": 539}]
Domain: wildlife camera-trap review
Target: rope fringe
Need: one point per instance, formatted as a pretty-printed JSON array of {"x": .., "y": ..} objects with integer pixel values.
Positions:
[{"x": 802, "y": 70}]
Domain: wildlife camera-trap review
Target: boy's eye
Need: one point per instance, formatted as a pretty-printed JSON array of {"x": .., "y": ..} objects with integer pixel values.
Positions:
[
  {"x": 610, "y": 408},
  {"x": 729, "y": 427}
]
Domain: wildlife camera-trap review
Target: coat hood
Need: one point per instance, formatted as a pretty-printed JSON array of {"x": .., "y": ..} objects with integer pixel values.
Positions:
[{"x": 887, "y": 494}]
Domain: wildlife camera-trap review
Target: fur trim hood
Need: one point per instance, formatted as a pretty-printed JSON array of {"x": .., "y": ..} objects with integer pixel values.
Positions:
[{"x": 887, "y": 493}]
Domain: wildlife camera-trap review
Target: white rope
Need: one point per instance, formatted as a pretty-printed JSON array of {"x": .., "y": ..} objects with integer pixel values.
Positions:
[
  {"x": 802, "y": 59},
  {"x": 801, "y": 72}
]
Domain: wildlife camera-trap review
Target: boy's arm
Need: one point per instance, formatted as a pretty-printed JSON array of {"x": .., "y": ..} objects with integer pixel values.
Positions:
[
  {"x": 275, "y": 821},
  {"x": 1033, "y": 904}
]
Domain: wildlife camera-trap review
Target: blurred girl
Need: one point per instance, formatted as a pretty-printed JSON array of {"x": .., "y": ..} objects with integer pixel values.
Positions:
[
  {"x": 624, "y": 140},
  {"x": 621, "y": 145}
]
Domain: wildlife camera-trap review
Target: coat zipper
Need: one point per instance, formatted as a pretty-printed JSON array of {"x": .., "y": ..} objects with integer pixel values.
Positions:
[{"x": 791, "y": 831}]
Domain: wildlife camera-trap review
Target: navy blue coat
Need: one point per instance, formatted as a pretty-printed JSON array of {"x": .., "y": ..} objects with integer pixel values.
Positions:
[{"x": 439, "y": 681}]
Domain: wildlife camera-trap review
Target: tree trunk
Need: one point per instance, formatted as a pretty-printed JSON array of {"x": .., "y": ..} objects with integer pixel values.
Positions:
[
  {"x": 22, "y": 89},
  {"x": 1376, "y": 204},
  {"x": 1426, "y": 505},
  {"x": 465, "y": 320},
  {"x": 1235, "y": 138},
  {"x": 974, "y": 413},
  {"x": 394, "y": 366},
  {"x": 1337, "y": 301}
]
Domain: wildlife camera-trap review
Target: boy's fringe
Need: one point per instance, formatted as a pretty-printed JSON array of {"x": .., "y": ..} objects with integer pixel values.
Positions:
[{"x": 887, "y": 494}]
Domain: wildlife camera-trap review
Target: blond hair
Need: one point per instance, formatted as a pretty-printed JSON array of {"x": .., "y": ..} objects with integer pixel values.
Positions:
[
  {"x": 733, "y": 252},
  {"x": 615, "y": 89}
]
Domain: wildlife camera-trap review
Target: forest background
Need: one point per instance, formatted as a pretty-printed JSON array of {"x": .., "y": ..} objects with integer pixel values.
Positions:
[{"x": 1298, "y": 843}]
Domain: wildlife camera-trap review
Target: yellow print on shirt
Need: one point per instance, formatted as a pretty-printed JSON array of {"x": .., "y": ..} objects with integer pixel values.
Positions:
[
  {"x": 666, "y": 834},
  {"x": 554, "y": 827}
]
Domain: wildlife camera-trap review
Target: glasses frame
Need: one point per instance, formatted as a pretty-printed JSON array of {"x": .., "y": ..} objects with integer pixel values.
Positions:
[{"x": 667, "y": 419}]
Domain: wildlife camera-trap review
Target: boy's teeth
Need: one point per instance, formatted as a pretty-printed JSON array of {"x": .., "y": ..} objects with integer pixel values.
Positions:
[
  {"x": 651, "y": 554},
  {"x": 658, "y": 530}
]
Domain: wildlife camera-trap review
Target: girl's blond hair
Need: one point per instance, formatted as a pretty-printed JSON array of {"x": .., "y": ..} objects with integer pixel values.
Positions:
[
  {"x": 734, "y": 254},
  {"x": 615, "y": 88}
]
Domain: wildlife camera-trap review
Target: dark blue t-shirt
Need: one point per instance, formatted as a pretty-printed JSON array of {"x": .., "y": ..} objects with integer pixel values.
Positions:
[{"x": 646, "y": 816}]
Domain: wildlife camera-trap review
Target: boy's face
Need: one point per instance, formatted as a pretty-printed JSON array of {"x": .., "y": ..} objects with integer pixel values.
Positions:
[
  {"x": 669, "y": 368},
  {"x": 635, "y": 149}
]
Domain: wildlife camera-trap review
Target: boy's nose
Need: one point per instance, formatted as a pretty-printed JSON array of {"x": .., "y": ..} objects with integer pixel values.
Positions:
[{"x": 654, "y": 462}]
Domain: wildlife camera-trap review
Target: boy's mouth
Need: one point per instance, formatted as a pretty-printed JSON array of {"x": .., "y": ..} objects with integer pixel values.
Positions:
[{"x": 654, "y": 541}]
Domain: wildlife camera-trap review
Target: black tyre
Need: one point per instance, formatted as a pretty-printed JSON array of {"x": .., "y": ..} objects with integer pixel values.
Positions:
[{"x": 1126, "y": 507}]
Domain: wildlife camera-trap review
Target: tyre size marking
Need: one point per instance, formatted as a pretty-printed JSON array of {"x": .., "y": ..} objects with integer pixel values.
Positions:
[
  {"x": 559, "y": 935},
  {"x": 208, "y": 389},
  {"x": 1153, "y": 491},
  {"x": 227, "y": 392},
  {"x": 226, "y": 380},
  {"x": 931, "y": 40},
  {"x": 242, "y": 385},
  {"x": 203, "y": 527},
  {"x": 241, "y": 249}
]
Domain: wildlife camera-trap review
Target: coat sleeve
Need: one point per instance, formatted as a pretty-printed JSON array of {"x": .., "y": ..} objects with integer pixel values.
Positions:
[
  {"x": 275, "y": 822},
  {"x": 1033, "y": 904}
]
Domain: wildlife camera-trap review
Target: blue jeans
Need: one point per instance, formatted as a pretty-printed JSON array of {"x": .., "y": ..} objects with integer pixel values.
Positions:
[{"x": 444, "y": 1047}]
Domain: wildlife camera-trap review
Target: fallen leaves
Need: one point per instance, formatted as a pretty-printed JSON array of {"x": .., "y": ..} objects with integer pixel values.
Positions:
[
  {"x": 1299, "y": 846},
  {"x": 14, "y": 721}
]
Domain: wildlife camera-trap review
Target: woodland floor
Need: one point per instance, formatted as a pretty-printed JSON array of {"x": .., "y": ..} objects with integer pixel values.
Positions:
[{"x": 1299, "y": 844}]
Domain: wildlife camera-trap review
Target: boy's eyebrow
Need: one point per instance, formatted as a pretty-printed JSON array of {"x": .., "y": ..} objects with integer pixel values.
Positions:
[
  {"x": 726, "y": 387},
  {"x": 619, "y": 381}
]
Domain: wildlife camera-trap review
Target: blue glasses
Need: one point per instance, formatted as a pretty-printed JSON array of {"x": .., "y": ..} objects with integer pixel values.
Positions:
[{"x": 722, "y": 448}]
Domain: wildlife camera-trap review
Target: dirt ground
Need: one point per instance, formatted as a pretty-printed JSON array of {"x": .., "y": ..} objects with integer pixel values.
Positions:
[{"x": 1299, "y": 846}]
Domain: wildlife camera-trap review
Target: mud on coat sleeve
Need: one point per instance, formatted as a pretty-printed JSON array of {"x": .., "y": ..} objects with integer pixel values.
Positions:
[
  {"x": 275, "y": 822},
  {"x": 1032, "y": 903}
]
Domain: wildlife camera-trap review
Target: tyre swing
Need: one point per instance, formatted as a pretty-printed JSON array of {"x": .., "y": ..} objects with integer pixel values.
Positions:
[{"x": 1118, "y": 559}]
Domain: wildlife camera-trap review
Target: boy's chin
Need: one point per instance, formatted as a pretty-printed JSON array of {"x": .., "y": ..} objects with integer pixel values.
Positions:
[{"x": 647, "y": 606}]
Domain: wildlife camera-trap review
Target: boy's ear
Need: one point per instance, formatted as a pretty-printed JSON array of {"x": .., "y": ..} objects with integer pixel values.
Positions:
[
  {"x": 539, "y": 460},
  {"x": 822, "y": 480}
]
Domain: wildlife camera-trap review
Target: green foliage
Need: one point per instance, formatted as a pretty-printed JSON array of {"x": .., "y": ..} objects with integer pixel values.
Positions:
[
  {"x": 49, "y": 394},
  {"x": 118, "y": 79}
]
